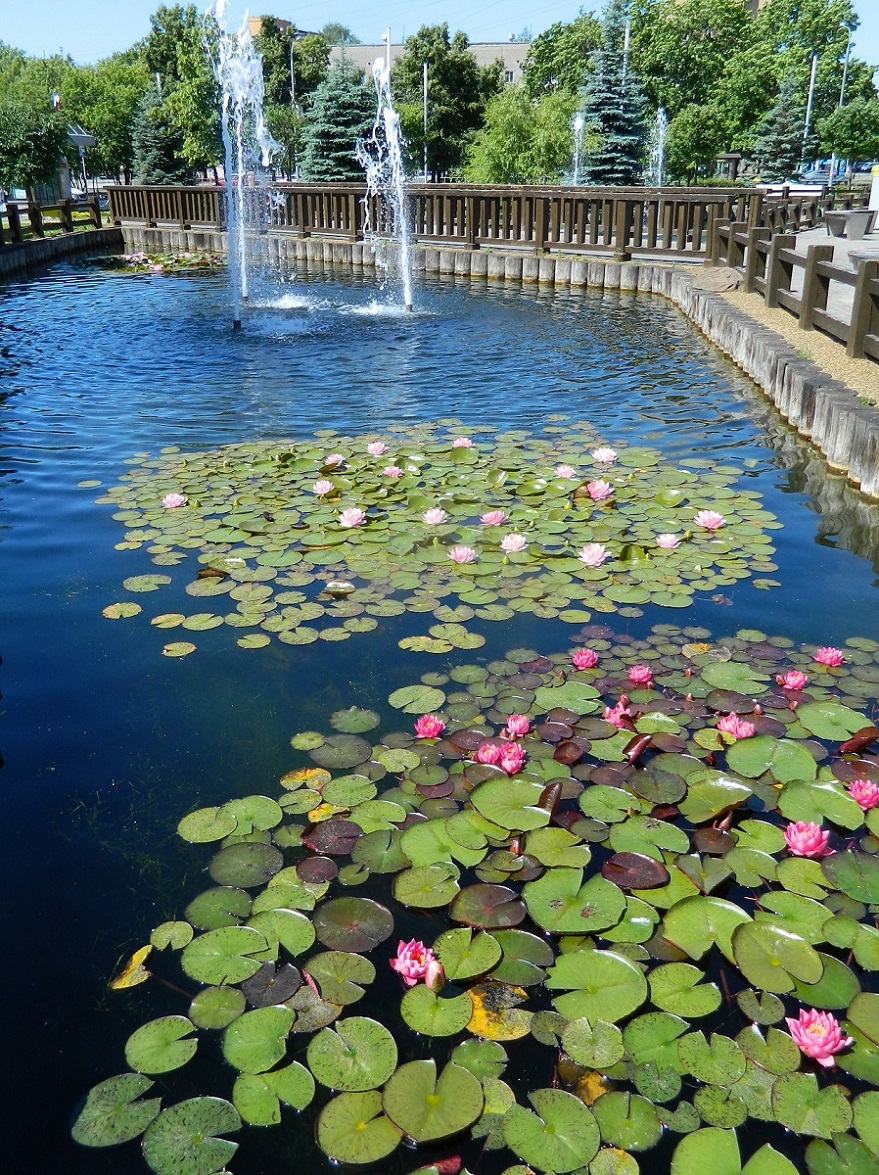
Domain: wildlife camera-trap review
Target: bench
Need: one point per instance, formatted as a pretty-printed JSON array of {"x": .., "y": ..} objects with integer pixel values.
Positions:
[{"x": 854, "y": 223}]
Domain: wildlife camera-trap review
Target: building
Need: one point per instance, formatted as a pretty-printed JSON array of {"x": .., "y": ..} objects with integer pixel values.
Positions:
[{"x": 511, "y": 53}]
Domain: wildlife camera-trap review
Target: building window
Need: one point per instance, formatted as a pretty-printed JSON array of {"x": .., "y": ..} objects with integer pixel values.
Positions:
[{"x": 508, "y": 77}]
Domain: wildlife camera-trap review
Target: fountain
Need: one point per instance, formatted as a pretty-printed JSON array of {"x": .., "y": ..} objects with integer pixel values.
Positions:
[
  {"x": 656, "y": 166},
  {"x": 247, "y": 145},
  {"x": 577, "y": 124},
  {"x": 381, "y": 157}
]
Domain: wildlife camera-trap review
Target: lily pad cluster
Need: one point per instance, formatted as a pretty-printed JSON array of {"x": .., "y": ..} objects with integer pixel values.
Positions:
[
  {"x": 322, "y": 538},
  {"x": 142, "y": 262},
  {"x": 623, "y": 896}
]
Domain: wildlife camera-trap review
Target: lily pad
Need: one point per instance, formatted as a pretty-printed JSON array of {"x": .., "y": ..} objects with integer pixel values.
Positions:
[
  {"x": 353, "y": 924},
  {"x": 428, "y": 1108},
  {"x": 559, "y": 1135},
  {"x": 115, "y": 1112},
  {"x": 161, "y": 1045},
  {"x": 183, "y": 1140},
  {"x": 352, "y": 1129},
  {"x": 357, "y": 1055}
]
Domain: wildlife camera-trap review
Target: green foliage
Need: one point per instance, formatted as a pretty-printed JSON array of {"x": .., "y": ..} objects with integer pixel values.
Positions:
[
  {"x": 614, "y": 104},
  {"x": 695, "y": 135},
  {"x": 852, "y": 131},
  {"x": 559, "y": 58},
  {"x": 523, "y": 141},
  {"x": 157, "y": 146},
  {"x": 104, "y": 99},
  {"x": 779, "y": 142},
  {"x": 457, "y": 92},
  {"x": 342, "y": 111},
  {"x": 338, "y": 34},
  {"x": 32, "y": 140}
]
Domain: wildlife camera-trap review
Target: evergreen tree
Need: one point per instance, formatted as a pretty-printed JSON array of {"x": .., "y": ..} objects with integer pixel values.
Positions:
[
  {"x": 614, "y": 107},
  {"x": 779, "y": 143},
  {"x": 342, "y": 111},
  {"x": 157, "y": 147}
]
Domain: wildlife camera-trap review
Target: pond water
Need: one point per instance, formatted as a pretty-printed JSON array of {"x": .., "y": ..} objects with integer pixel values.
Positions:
[{"x": 107, "y": 744}]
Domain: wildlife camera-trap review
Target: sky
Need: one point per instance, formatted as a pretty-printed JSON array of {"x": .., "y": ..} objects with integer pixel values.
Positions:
[{"x": 90, "y": 29}]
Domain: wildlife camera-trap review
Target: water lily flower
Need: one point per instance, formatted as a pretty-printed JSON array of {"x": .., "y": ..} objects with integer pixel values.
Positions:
[
  {"x": 513, "y": 759},
  {"x": 517, "y": 726},
  {"x": 322, "y": 486},
  {"x": 376, "y": 448},
  {"x": 435, "y": 976},
  {"x": 462, "y": 554},
  {"x": 818, "y": 1035},
  {"x": 494, "y": 518},
  {"x": 429, "y": 726},
  {"x": 865, "y": 792},
  {"x": 829, "y": 656},
  {"x": 488, "y": 753},
  {"x": 434, "y": 516},
  {"x": 584, "y": 658},
  {"x": 392, "y": 471},
  {"x": 641, "y": 675},
  {"x": 172, "y": 501},
  {"x": 668, "y": 541},
  {"x": 351, "y": 517},
  {"x": 805, "y": 839},
  {"x": 737, "y": 727},
  {"x": 709, "y": 519},
  {"x": 513, "y": 542},
  {"x": 792, "y": 679},
  {"x": 618, "y": 715},
  {"x": 593, "y": 554},
  {"x": 333, "y": 459},
  {"x": 462, "y": 443},
  {"x": 604, "y": 455},
  {"x": 568, "y": 472},
  {"x": 412, "y": 961},
  {"x": 599, "y": 490}
]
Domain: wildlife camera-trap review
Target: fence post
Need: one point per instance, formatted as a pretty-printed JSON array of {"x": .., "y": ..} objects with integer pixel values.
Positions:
[
  {"x": 715, "y": 243},
  {"x": 735, "y": 254},
  {"x": 778, "y": 274},
  {"x": 470, "y": 220},
  {"x": 865, "y": 309},
  {"x": 35, "y": 216},
  {"x": 540, "y": 223},
  {"x": 13, "y": 215},
  {"x": 65, "y": 215},
  {"x": 94, "y": 207},
  {"x": 622, "y": 220},
  {"x": 815, "y": 285},
  {"x": 752, "y": 257}
]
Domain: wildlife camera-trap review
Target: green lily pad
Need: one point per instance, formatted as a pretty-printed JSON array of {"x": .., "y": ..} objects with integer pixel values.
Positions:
[
  {"x": 427, "y": 886},
  {"x": 596, "y": 1045},
  {"x": 512, "y": 803},
  {"x": 223, "y": 955},
  {"x": 711, "y": 792},
  {"x": 217, "y": 1007},
  {"x": 354, "y": 720},
  {"x": 417, "y": 699},
  {"x": 559, "y": 1135},
  {"x": 353, "y": 924},
  {"x": 855, "y": 873},
  {"x": 679, "y": 988},
  {"x": 488, "y": 905},
  {"x": 428, "y": 1108},
  {"x": 485, "y": 1059},
  {"x": 774, "y": 959},
  {"x": 627, "y": 1121},
  {"x": 435, "y": 1015},
  {"x": 830, "y": 720},
  {"x": 845, "y": 1156},
  {"x": 697, "y": 923},
  {"x": 525, "y": 957},
  {"x": 717, "y": 1061},
  {"x": 257, "y": 1040},
  {"x": 803, "y": 1107},
  {"x": 465, "y": 955},
  {"x": 159, "y": 1046},
  {"x": 352, "y": 1129},
  {"x": 207, "y": 824},
  {"x": 784, "y": 759},
  {"x": 562, "y": 903},
  {"x": 183, "y": 1140},
  {"x": 600, "y": 985},
  {"x": 258, "y": 1097},
  {"x": 357, "y": 1055},
  {"x": 114, "y": 1111},
  {"x": 341, "y": 975},
  {"x": 171, "y": 934},
  {"x": 247, "y": 864}
]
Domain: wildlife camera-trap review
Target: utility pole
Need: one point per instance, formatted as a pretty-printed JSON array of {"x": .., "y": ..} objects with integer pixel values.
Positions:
[
  {"x": 425, "y": 122},
  {"x": 808, "y": 123}
]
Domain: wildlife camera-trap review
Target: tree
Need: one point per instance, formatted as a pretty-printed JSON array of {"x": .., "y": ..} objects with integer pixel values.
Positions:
[
  {"x": 779, "y": 142},
  {"x": 104, "y": 98},
  {"x": 524, "y": 140},
  {"x": 559, "y": 58},
  {"x": 338, "y": 34},
  {"x": 457, "y": 91},
  {"x": 157, "y": 145},
  {"x": 680, "y": 48},
  {"x": 852, "y": 131},
  {"x": 342, "y": 110},
  {"x": 33, "y": 139},
  {"x": 695, "y": 136},
  {"x": 614, "y": 104}
]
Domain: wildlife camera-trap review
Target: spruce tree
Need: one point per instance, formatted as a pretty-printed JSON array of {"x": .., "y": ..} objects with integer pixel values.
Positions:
[
  {"x": 342, "y": 111},
  {"x": 157, "y": 148},
  {"x": 779, "y": 143},
  {"x": 614, "y": 106}
]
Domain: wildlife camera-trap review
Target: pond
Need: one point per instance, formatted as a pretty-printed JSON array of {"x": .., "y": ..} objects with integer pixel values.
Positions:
[{"x": 119, "y": 389}]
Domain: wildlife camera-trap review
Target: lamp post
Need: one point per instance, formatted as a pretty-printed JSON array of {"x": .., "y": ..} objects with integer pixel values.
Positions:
[
  {"x": 425, "y": 120},
  {"x": 808, "y": 123},
  {"x": 848, "y": 49}
]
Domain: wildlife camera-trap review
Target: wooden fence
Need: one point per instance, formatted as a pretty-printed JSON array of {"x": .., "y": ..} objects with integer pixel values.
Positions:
[
  {"x": 769, "y": 263},
  {"x": 44, "y": 218}
]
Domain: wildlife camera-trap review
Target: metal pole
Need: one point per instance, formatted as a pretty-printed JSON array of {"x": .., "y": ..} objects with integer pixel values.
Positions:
[
  {"x": 425, "y": 122},
  {"x": 808, "y": 123},
  {"x": 387, "y": 40},
  {"x": 626, "y": 50}
]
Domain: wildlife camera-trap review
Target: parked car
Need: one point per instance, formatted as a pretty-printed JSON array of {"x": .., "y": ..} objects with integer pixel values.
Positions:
[{"x": 817, "y": 175}]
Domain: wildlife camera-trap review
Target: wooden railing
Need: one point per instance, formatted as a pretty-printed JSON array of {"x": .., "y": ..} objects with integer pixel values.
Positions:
[
  {"x": 43, "y": 218},
  {"x": 769, "y": 264}
]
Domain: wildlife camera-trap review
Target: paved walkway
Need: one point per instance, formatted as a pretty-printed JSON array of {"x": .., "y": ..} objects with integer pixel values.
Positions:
[{"x": 840, "y": 297}]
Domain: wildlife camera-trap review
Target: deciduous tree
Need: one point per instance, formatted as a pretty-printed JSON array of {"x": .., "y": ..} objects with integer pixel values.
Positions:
[
  {"x": 559, "y": 58},
  {"x": 524, "y": 140}
]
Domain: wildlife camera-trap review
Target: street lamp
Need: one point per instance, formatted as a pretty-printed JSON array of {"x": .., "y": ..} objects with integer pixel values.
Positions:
[{"x": 848, "y": 49}]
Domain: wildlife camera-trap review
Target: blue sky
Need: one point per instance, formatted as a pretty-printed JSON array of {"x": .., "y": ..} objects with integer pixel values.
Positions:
[{"x": 91, "y": 29}]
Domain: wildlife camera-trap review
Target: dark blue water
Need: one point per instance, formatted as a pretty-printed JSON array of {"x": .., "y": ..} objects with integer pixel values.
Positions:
[{"x": 106, "y": 743}]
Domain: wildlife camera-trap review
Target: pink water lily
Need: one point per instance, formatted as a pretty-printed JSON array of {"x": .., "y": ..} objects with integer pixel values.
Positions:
[
  {"x": 805, "y": 839},
  {"x": 605, "y": 455},
  {"x": 668, "y": 541},
  {"x": 619, "y": 715},
  {"x": 434, "y": 516},
  {"x": 414, "y": 961},
  {"x": 513, "y": 759},
  {"x": 829, "y": 656},
  {"x": 599, "y": 490},
  {"x": 489, "y": 753},
  {"x": 566, "y": 472},
  {"x": 735, "y": 726},
  {"x": 461, "y": 554},
  {"x": 322, "y": 486},
  {"x": 352, "y": 517},
  {"x": 517, "y": 726},
  {"x": 709, "y": 520},
  {"x": 513, "y": 542},
  {"x": 333, "y": 459},
  {"x": 865, "y": 792},
  {"x": 392, "y": 471},
  {"x": 376, "y": 448},
  {"x": 818, "y": 1035},
  {"x": 494, "y": 518},
  {"x": 584, "y": 658},
  {"x": 793, "y": 679},
  {"x": 593, "y": 554},
  {"x": 173, "y": 501},
  {"x": 462, "y": 443},
  {"x": 429, "y": 726},
  {"x": 641, "y": 675}
]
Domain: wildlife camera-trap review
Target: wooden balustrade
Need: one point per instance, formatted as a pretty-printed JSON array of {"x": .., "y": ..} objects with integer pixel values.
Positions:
[{"x": 43, "y": 218}]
